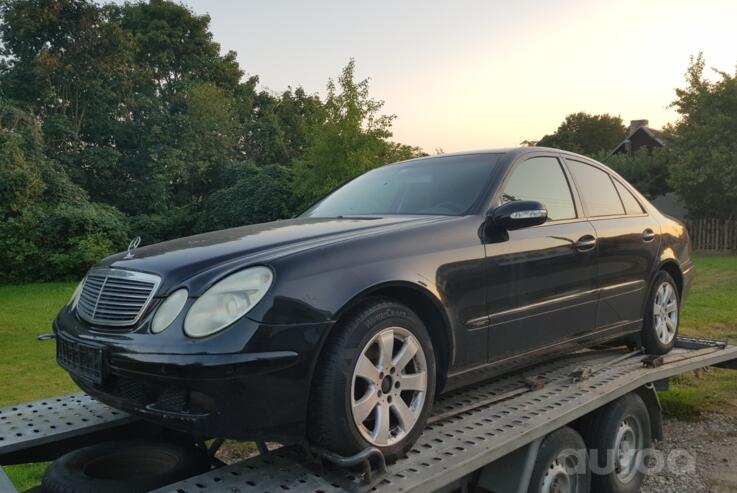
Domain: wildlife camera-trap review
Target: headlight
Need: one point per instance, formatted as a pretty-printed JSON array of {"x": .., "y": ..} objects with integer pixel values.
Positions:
[
  {"x": 75, "y": 296},
  {"x": 227, "y": 301},
  {"x": 169, "y": 310}
]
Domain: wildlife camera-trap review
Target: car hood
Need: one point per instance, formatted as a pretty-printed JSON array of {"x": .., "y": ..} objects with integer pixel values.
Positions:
[{"x": 179, "y": 259}]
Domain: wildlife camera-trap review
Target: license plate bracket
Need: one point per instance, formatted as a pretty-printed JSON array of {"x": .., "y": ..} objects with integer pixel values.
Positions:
[{"x": 83, "y": 360}]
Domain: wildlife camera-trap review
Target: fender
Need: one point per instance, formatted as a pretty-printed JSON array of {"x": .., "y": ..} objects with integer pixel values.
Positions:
[{"x": 391, "y": 289}]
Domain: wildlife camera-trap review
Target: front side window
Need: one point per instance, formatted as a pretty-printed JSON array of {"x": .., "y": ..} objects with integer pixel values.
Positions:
[
  {"x": 599, "y": 194},
  {"x": 434, "y": 186},
  {"x": 541, "y": 179},
  {"x": 631, "y": 205}
]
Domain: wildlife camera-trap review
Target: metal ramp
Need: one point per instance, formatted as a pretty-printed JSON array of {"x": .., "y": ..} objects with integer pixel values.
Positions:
[
  {"x": 450, "y": 449},
  {"x": 49, "y": 420}
]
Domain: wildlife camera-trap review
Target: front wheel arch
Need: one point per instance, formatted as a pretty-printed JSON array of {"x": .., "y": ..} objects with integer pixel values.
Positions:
[{"x": 426, "y": 305}]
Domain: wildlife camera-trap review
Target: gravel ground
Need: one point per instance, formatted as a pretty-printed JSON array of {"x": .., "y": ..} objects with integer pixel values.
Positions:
[{"x": 709, "y": 463}]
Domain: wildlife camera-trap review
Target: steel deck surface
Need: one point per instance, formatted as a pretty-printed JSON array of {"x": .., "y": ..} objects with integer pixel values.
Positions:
[{"x": 40, "y": 422}]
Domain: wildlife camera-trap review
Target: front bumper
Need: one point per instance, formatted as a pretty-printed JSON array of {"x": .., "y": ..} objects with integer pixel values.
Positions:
[{"x": 259, "y": 393}]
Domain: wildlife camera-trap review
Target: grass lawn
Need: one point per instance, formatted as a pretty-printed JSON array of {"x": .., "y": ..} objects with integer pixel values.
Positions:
[
  {"x": 28, "y": 369},
  {"x": 710, "y": 311}
]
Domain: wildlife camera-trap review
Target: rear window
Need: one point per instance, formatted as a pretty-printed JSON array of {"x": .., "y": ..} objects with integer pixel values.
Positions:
[
  {"x": 631, "y": 205},
  {"x": 597, "y": 188}
]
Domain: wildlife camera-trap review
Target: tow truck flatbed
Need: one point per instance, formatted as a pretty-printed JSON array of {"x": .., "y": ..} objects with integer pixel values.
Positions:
[{"x": 469, "y": 431}]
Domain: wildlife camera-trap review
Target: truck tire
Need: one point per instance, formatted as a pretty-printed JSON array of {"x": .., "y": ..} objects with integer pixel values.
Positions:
[
  {"x": 561, "y": 464},
  {"x": 375, "y": 382},
  {"x": 617, "y": 435},
  {"x": 131, "y": 466},
  {"x": 662, "y": 315}
]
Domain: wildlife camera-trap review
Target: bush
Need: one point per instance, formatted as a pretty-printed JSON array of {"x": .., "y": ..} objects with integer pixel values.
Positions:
[
  {"x": 260, "y": 195},
  {"x": 21, "y": 253},
  {"x": 60, "y": 242},
  {"x": 76, "y": 236},
  {"x": 173, "y": 223}
]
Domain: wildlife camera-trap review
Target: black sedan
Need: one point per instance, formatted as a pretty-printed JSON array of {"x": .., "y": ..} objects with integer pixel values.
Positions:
[{"x": 343, "y": 324}]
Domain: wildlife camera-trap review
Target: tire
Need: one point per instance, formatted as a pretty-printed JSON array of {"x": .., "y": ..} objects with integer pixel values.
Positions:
[
  {"x": 134, "y": 466},
  {"x": 657, "y": 338},
  {"x": 603, "y": 432},
  {"x": 561, "y": 462},
  {"x": 353, "y": 373}
]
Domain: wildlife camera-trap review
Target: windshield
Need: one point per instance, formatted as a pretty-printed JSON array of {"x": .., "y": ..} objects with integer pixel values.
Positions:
[{"x": 436, "y": 186}]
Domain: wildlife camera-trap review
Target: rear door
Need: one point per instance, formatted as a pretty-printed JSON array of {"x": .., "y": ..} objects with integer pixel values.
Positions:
[
  {"x": 628, "y": 244},
  {"x": 541, "y": 280}
]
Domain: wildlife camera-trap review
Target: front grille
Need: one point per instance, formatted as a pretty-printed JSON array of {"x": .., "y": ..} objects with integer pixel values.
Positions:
[{"x": 115, "y": 297}]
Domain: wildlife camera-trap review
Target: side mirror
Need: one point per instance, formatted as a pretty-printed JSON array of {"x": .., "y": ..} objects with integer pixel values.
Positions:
[{"x": 517, "y": 215}]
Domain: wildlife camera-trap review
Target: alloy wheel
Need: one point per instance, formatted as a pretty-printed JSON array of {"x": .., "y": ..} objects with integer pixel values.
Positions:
[
  {"x": 665, "y": 313},
  {"x": 389, "y": 386}
]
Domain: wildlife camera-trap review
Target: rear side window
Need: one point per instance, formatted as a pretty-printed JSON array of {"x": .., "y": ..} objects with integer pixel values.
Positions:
[
  {"x": 541, "y": 179},
  {"x": 631, "y": 205},
  {"x": 599, "y": 194}
]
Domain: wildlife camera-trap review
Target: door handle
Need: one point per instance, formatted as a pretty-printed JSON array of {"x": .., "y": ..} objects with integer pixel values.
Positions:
[
  {"x": 586, "y": 243},
  {"x": 648, "y": 235}
]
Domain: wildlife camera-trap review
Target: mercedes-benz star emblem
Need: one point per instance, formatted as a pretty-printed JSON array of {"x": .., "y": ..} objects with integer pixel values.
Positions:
[{"x": 132, "y": 246}]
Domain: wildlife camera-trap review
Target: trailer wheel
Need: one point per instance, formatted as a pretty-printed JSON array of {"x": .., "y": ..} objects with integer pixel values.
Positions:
[
  {"x": 617, "y": 435},
  {"x": 123, "y": 467},
  {"x": 561, "y": 465}
]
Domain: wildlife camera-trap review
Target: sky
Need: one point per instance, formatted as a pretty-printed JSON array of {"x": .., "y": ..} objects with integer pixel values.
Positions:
[{"x": 476, "y": 74}]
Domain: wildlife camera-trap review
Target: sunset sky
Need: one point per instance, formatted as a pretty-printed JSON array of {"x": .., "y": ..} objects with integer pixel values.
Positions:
[{"x": 474, "y": 74}]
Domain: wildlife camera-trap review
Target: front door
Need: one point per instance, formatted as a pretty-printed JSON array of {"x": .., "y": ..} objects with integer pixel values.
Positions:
[{"x": 541, "y": 280}]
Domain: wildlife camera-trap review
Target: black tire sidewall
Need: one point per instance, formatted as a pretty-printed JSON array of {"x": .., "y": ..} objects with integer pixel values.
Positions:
[
  {"x": 601, "y": 433},
  {"x": 650, "y": 340},
  {"x": 67, "y": 473},
  {"x": 357, "y": 333},
  {"x": 550, "y": 448}
]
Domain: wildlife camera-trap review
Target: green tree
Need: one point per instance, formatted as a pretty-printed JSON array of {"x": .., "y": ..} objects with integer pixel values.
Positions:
[
  {"x": 278, "y": 130},
  {"x": 21, "y": 183},
  {"x": 203, "y": 139},
  {"x": 48, "y": 228},
  {"x": 117, "y": 87},
  {"x": 133, "y": 108},
  {"x": 704, "y": 169},
  {"x": 586, "y": 134},
  {"x": 351, "y": 140}
]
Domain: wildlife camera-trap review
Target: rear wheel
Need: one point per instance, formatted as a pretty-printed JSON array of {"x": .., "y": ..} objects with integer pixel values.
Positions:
[
  {"x": 660, "y": 326},
  {"x": 618, "y": 436},
  {"x": 561, "y": 465},
  {"x": 375, "y": 383}
]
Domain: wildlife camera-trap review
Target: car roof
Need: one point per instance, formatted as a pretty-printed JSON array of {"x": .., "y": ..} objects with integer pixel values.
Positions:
[{"x": 508, "y": 152}]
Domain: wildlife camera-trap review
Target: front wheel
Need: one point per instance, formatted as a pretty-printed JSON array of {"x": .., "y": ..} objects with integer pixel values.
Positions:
[
  {"x": 375, "y": 383},
  {"x": 660, "y": 326}
]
